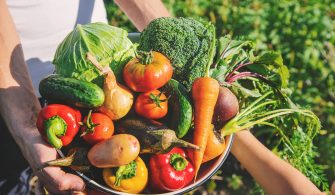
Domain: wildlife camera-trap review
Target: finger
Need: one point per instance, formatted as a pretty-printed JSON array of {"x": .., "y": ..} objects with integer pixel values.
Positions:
[
  {"x": 57, "y": 181},
  {"x": 39, "y": 190},
  {"x": 79, "y": 193},
  {"x": 94, "y": 192}
]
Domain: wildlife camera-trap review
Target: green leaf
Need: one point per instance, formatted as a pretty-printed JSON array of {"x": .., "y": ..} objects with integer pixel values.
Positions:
[
  {"x": 245, "y": 92},
  {"x": 219, "y": 72},
  {"x": 270, "y": 64},
  {"x": 229, "y": 53},
  {"x": 231, "y": 47}
]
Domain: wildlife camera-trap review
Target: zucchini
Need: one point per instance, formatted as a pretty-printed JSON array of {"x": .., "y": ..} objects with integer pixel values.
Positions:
[
  {"x": 180, "y": 107},
  {"x": 71, "y": 91},
  {"x": 140, "y": 127},
  {"x": 153, "y": 136}
]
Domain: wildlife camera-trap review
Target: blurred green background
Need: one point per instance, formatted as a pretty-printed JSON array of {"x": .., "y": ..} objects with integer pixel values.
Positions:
[{"x": 304, "y": 32}]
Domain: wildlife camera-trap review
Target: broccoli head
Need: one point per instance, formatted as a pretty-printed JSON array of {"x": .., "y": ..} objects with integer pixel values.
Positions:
[{"x": 185, "y": 41}]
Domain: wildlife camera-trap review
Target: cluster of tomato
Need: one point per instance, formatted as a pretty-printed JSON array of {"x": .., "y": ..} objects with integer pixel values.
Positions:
[{"x": 146, "y": 73}]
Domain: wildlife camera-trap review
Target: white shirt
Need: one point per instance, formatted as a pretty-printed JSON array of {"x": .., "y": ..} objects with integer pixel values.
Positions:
[{"x": 43, "y": 24}]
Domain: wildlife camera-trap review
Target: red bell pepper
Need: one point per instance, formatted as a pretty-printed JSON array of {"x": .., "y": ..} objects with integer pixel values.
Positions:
[
  {"x": 170, "y": 171},
  {"x": 58, "y": 124}
]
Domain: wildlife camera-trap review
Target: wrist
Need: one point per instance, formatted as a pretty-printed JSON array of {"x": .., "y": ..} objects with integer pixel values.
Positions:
[
  {"x": 240, "y": 139},
  {"x": 141, "y": 13}
]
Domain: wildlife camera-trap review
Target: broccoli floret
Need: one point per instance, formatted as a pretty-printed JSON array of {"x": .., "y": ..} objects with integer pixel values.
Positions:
[{"x": 185, "y": 41}]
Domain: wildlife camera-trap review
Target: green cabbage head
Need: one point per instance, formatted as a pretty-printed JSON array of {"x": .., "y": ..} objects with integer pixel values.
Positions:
[{"x": 108, "y": 44}]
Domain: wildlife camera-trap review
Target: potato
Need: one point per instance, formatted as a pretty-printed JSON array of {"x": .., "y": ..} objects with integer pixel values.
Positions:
[{"x": 118, "y": 150}]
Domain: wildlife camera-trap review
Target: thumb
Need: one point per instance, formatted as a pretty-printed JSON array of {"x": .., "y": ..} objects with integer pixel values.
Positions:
[{"x": 57, "y": 181}]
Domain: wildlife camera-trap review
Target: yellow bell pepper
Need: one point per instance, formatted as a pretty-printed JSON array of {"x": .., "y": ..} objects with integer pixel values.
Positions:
[{"x": 130, "y": 178}]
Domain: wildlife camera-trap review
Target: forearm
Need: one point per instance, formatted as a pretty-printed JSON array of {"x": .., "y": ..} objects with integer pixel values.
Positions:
[
  {"x": 19, "y": 108},
  {"x": 19, "y": 105},
  {"x": 272, "y": 173},
  {"x": 141, "y": 12}
]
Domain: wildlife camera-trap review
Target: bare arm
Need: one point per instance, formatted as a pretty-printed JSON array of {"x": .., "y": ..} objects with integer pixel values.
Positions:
[
  {"x": 274, "y": 174},
  {"x": 141, "y": 12},
  {"x": 19, "y": 107}
]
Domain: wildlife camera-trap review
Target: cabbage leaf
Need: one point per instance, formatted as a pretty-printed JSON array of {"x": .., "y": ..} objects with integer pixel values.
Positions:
[{"x": 108, "y": 44}]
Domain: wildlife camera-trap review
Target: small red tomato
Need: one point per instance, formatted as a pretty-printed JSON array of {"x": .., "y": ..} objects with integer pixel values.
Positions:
[
  {"x": 147, "y": 71},
  {"x": 96, "y": 128},
  {"x": 152, "y": 105}
]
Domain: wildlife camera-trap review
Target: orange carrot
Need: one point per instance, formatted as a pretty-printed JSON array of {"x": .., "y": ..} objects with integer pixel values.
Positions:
[
  {"x": 215, "y": 146},
  {"x": 205, "y": 91}
]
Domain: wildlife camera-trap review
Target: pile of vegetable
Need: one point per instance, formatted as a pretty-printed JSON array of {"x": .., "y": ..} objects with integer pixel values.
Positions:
[{"x": 145, "y": 119}]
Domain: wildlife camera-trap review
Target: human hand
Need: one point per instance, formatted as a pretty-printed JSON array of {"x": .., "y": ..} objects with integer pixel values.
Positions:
[{"x": 54, "y": 179}]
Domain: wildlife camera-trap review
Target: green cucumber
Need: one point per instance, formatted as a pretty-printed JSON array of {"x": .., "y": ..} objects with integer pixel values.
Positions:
[
  {"x": 180, "y": 107},
  {"x": 72, "y": 91}
]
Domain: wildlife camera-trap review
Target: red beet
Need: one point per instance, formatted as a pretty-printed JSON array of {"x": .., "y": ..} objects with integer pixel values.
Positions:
[{"x": 226, "y": 107}]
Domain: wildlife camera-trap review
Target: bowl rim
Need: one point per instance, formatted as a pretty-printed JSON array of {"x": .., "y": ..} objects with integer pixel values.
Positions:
[{"x": 94, "y": 185}]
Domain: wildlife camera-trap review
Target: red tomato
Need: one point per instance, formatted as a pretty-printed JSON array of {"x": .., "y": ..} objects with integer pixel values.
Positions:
[
  {"x": 152, "y": 105},
  {"x": 96, "y": 128},
  {"x": 148, "y": 71}
]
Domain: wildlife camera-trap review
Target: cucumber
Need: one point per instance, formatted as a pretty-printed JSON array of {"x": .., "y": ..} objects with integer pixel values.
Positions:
[
  {"x": 71, "y": 91},
  {"x": 180, "y": 107}
]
